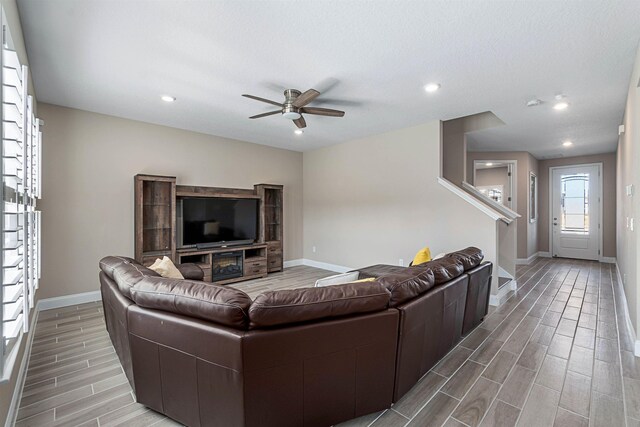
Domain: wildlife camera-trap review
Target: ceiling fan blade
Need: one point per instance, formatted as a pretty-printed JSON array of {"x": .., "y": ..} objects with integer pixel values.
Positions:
[
  {"x": 257, "y": 116},
  {"x": 306, "y": 98},
  {"x": 300, "y": 122},
  {"x": 323, "y": 111},
  {"x": 257, "y": 98}
]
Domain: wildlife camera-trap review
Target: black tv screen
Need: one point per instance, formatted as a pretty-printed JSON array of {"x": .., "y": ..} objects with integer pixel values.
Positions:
[{"x": 218, "y": 220}]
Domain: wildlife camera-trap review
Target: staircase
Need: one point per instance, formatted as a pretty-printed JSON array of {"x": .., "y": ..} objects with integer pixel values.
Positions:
[{"x": 453, "y": 177}]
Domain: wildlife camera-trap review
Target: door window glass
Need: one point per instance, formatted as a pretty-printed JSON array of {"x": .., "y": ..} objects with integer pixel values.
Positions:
[{"x": 575, "y": 203}]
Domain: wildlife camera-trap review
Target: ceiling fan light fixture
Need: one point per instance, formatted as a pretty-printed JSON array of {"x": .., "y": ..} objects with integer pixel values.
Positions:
[
  {"x": 562, "y": 105},
  {"x": 561, "y": 102},
  {"x": 432, "y": 87},
  {"x": 292, "y": 115}
]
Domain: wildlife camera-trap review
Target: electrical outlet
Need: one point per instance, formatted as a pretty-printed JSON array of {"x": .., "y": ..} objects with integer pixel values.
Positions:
[
  {"x": 313, "y": 249},
  {"x": 631, "y": 224},
  {"x": 401, "y": 262}
]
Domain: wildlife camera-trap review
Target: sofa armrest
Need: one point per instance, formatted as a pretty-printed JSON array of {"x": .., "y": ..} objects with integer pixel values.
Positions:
[{"x": 190, "y": 271}]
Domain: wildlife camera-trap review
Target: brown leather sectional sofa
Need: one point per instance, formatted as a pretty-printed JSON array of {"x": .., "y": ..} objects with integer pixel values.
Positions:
[{"x": 207, "y": 355}]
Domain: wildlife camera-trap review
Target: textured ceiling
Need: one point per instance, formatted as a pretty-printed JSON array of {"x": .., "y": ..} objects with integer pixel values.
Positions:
[{"x": 369, "y": 58}]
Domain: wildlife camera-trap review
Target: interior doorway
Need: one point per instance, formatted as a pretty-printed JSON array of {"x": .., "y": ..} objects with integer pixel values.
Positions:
[{"x": 576, "y": 211}]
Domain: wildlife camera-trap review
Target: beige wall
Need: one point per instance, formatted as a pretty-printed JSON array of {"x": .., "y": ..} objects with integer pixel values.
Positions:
[
  {"x": 494, "y": 176},
  {"x": 454, "y": 147},
  {"x": 608, "y": 198},
  {"x": 454, "y": 143},
  {"x": 628, "y": 254},
  {"x": 377, "y": 200},
  {"x": 89, "y": 163},
  {"x": 13, "y": 19},
  {"x": 527, "y": 233}
]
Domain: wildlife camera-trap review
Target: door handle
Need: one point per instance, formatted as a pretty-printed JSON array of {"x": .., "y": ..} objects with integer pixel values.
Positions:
[{"x": 555, "y": 223}]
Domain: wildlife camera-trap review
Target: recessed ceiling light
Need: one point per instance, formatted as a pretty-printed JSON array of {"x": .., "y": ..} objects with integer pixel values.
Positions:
[
  {"x": 488, "y": 164},
  {"x": 562, "y": 105},
  {"x": 298, "y": 131},
  {"x": 432, "y": 87},
  {"x": 168, "y": 98},
  {"x": 534, "y": 102},
  {"x": 567, "y": 143}
]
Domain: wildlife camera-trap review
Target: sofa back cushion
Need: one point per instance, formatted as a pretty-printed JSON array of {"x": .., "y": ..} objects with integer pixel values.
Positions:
[
  {"x": 219, "y": 304},
  {"x": 289, "y": 306},
  {"x": 109, "y": 263},
  {"x": 470, "y": 257},
  {"x": 444, "y": 269},
  {"x": 126, "y": 272},
  {"x": 407, "y": 283}
]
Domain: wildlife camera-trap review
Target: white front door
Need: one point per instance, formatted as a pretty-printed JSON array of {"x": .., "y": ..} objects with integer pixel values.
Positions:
[{"x": 575, "y": 220}]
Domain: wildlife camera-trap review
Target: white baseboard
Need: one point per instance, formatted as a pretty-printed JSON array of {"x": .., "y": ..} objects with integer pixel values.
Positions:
[
  {"x": 22, "y": 374},
  {"x": 543, "y": 254},
  {"x": 497, "y": 299},
  {"x": 67, "y": 300},
  {"x": 504, "y": 273},
  {"x": 636, "y": 347},
  {"x": 608, "y": 260},
  {"x": 293, "y": 263},
  {"x": 326, "y": 266},
  {"x": 527, "y": 261}
]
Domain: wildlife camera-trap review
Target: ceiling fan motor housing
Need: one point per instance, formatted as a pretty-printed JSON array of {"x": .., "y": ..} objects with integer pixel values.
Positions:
[{"x": 288, "y": 110}]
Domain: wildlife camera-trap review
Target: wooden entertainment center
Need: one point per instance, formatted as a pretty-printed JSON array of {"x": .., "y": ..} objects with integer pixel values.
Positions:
[{"x": 156, "y": 234}]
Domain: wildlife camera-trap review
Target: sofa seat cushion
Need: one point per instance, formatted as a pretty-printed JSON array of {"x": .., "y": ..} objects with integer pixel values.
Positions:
[
  {"x": 290, "y": 306},
  {"x": 407, "y": 283},
  {"x": 126, "y": 272},
  {"x": 444, "y": 269},
  {"x": 219, "y": 304},
  {"x": 470, "y": 257}
]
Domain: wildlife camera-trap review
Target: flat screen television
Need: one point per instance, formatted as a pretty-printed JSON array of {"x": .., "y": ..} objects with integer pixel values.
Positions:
[{"x": 216, "y": 221}]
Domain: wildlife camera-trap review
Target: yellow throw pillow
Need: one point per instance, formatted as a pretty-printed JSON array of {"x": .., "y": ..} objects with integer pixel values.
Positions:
[
  {"x": 422, "y": 256},
  {"x": 368, "y": 279},
  {"x": 166, "y": 268}
]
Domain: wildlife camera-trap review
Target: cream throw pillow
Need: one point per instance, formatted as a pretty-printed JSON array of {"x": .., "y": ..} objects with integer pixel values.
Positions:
[{"x": 166, "y": 268}]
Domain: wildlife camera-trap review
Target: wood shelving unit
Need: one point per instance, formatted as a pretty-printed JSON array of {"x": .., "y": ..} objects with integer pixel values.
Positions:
[
  {"x": 271, "y": 223},
  {"x": 155, "y": 218},
  {"x": 155, "y": 226}
]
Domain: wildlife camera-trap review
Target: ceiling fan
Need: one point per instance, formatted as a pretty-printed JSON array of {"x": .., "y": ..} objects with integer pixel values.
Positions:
[{"x": 294, "y": 106}]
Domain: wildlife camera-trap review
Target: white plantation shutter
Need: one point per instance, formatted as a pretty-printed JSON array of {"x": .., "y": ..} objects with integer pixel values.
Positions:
[{"x": 20, "y": 221}]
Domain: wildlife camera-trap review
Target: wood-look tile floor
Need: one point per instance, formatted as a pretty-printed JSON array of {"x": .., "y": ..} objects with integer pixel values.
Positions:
[{"x": 557, "y": 353}]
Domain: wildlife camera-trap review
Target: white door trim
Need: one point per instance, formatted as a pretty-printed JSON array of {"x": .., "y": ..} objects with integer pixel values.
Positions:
[
  {"x": 513, "y": 166},
  {"x": 600, "y": 205}
]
